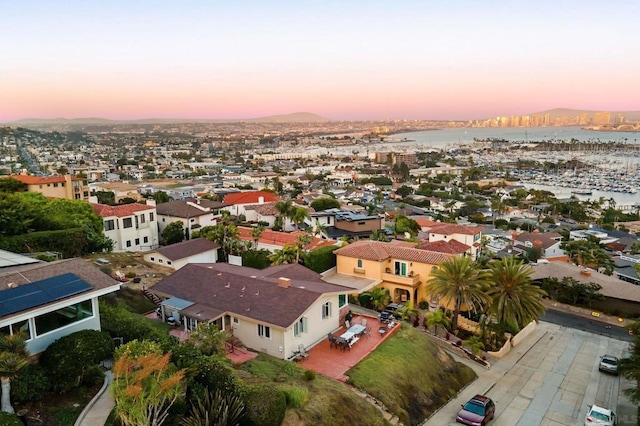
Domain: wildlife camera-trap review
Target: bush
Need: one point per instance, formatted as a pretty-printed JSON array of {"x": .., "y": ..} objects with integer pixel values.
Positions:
[
  {"x": 30, "y": 385},
  {"x": 93, "y": 375},
  {"x": 7, "y": 419},
  {"x": 66, "y": 359},
  {"x": 258, "y": 259},
  {"x": 130, "y": 274},
  {"x": 211, "y": 375},
  {"x": 264, "y": 406},
  {"x": 295, "y": 396},
  {"x": 119, "y": 322},
  {"x": 321, "y": 259},
  {"x": 423, "y": 304},
  {"x": 309, "y": 375}
]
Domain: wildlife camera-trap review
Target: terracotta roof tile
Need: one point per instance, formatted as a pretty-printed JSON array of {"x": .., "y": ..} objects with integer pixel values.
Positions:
[
  {"x": 249, "y": 197},
  {"x": 450, "y": 247},
  {"x": 450, "y": 228},
  {"x": 379, "y": 251},
  {"x": 123, "y": 210},
  {"x": 281, "y": 239}
]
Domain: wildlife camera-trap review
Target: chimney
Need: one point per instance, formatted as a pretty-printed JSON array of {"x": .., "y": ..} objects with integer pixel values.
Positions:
[
  {"x": 260, "y": 200},
  {"x": 284, "y": 282}
]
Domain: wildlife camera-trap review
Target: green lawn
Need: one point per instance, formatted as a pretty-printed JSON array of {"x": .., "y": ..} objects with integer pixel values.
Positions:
[
  {"x": 411, "y": 375},
  {"x": 321, "y": 401}
]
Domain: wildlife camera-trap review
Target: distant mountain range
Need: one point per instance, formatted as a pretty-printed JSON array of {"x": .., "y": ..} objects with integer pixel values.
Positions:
[{"x": 297, "y": 117}]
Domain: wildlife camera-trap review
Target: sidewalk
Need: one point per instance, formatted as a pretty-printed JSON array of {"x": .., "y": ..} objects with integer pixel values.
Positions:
[{"x": 98, "y": 409}]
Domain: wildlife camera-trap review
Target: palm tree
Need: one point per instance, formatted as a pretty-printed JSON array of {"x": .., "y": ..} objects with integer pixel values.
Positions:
[
  {"x": 256, "y": 234},
  {"x": 298, "y": 215},
  {"x": 302, "y": 241},
  {"x": 284, "y": 209},
  {"x": 514, "y": 299},
  {"x": 379, "y": 297},
  {"x": 461, "y": 280},
  {"x": 435, "y": 319},
  {"x": 319, "y": 229},
  {"x": 285, "y": 256},
  {"x": 14, "y": 356},
  {"x": 629, "y": 367},
  {"x": 475, "y": 343}
]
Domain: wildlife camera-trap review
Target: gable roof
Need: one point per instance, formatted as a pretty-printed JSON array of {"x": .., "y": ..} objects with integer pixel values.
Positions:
[
  {"x": 426, "y": 223},
  {"x": 122, "y": 210},
  {"x": 546, "y": 239},
  {"x": 379, "y": 251},
  {"x": 449, "y": 247},
  {"x": 451, "y": 228},
  {"x": 282, "y": 239},
  {"x": 249, "y": 197},
  {"x": 249, "y": 292},
  {"x": 181, "y": 208},
  {"x": 187, "y": 248},
  {"x": 266, "y": 209},
  {"x": 39, "y": 180}
]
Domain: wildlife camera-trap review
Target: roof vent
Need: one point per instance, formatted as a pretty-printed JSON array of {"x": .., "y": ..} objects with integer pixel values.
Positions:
[
  {"x": 12, "y": 285},
  {"x": 284, "y": 282}
]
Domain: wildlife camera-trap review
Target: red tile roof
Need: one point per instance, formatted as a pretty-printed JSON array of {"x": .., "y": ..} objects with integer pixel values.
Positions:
[
  {"x": 123, "y": 210},
  {"x": 450, "y": 247},
  {"x": 450, "y": 228},
  {"x": 282, "y": 238},
  {"x": 379, "y": 251},
  {"x": 39, "y": 180},
  {"x": 426, "y": 223},
  {"x": 249, "y": 197}
]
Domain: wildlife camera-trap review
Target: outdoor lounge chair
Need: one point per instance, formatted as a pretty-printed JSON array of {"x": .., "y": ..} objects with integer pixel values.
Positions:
[{"x": 302, "y": 351}]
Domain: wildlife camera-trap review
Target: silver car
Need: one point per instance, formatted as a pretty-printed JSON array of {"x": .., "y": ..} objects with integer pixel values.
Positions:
[{"x": 609, "y": 364}]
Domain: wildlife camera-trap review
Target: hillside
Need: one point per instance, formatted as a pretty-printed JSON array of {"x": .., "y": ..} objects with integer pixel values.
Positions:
[{"x": 568, "y": 112}]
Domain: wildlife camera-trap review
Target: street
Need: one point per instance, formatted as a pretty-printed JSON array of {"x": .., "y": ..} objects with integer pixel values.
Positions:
[
  {"x": 551, "y": 381},
  {"x": 591, "y": 325}
]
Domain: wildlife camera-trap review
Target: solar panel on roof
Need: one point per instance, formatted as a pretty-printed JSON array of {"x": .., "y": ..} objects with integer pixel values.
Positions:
[{"x": 41, "y": 292}]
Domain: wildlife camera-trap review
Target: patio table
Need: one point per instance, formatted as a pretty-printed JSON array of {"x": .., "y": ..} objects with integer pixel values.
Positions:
[
  {"x": 356, "y": 329},
  {"x": 347, "y": 335}
]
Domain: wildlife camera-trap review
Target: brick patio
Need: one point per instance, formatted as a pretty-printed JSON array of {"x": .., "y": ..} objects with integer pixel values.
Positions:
[{"x": 333, "y": 362}]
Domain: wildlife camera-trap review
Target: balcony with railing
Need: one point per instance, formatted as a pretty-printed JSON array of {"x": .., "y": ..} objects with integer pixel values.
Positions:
[{"x": 410, "y": 279}]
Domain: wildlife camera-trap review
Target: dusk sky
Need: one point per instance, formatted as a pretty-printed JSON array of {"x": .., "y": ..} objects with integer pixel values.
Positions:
[{"x": 344, "y": 60}]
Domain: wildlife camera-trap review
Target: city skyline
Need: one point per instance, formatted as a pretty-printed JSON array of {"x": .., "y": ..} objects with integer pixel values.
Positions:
[{"x": 355, "y": 61}]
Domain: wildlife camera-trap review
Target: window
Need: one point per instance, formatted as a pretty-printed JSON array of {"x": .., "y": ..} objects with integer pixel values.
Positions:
[
  {"x": 63, "y": 317},
  {"x": 142, "y": 219},
  {"x": 136, "y": 218},
  {"x": 301, "y": 326},
  {"x": 145, "y": 239},
  {"x": 359, "y": 263},
  {"x": 109, "y": 225},
  {"x": 55, "y": 185},
  {"x": 326, "y": 310},
  {"x": 151, "y": 217},
  {"x": 400, "y": 268},
  {"x": 342, "y": 300},
  {"x": 137, "y": 241},
  {"x": 236, "y": 320},
  {"x": 168, "y": 262},
  {"x": 153, "y": 259},
  {"x": 127, "y": 222},
  {"x": 128, "y": 243},
  {"x": 22, "y": 327},
  {"x": 264, "y": 331},
  {"x": 160, "y": 261}
]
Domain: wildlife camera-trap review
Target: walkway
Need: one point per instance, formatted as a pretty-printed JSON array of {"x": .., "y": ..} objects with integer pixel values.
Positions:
[{"x": 98, "y": 409}]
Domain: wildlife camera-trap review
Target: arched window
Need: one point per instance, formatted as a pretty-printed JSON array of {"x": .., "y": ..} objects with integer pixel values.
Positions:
[{"x": 359, "y": 263}]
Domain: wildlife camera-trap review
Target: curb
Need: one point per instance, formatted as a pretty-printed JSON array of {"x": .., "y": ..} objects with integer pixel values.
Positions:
[
  {"x": 89, "y": 406},
  {"x": 585, "y": 316}
]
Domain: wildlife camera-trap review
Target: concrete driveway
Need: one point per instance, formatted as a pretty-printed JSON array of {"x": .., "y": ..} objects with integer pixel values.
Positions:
[{"x": 549, "y": 379}]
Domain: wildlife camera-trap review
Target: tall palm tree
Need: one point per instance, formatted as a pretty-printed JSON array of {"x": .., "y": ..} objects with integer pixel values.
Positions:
[
  {"x": 514, "y": 299},
  {"x": 14, "y": 356},
  {"x": 436, "y": 318},
  {"x": 298, "y": 215},
  {"x": 284, "y": 210},
  {"x": 256, "y": 234},
  {"x": 461, "y": 280},
  {"x": 319, "y": 229},
  {"x": 302, "y": 241}
]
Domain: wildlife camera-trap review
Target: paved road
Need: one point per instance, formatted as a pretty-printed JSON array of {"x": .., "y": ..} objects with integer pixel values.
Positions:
[
  {"x": 549, "y": 381},
  {"x": 586, "y": 324}
]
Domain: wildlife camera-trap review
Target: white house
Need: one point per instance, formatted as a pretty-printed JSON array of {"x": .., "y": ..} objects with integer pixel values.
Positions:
[
  {"x": 273, "y": 310},
  {"x": 236, "y": 201},
  {"x": 47, "y": 301},
  {"x": 175, "y": 256},
  {"x": 469, "y": 235},
  {"x": 193, "y": 213},
  {"x": 132, "y": 227}
]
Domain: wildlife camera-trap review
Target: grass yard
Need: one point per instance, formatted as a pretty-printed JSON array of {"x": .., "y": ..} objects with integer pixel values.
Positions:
[
  {"x": 320, "y": 401},
  {"x": 411, "y": 375}
]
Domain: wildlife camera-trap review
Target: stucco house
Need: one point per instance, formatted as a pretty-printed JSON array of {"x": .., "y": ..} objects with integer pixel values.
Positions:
[
  {"x": 236, "y": 202},
  {"x": 175, "y": 256},
  {"x": 469, "y": 235},
  {"x": 274, "y": 240},
  {"x": 273, "y": 310},
  {"x": 47, "y": 301},
  {"x": 193, "y": 213},
  {"x": 548, "y": 243},
  {"x": 60, "y": 186},
  {"x": 401, "y": 269},
  {"x": 132, "y": 227}
]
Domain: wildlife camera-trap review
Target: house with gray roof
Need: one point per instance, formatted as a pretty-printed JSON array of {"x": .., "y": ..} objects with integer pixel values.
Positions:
[
  {"x": 175, "y": 256},
  {"x": 273, "y": 310}
]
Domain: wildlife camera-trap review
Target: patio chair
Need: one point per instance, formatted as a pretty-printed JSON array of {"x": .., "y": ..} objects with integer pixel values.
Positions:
[
  {"x": 364, "y": 322},
  {"x": 302, "y": 351},
  {"x": 367, "y": 331},
  {"x": 333, "y": 342},
  {"x": 382, "y": 330}
]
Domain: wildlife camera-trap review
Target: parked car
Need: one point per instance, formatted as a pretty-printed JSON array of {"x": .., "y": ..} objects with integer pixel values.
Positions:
[
  {"x": 609, "y": 364},
  {"x": 599, "y": 416},
  {"x": 477, "y": 411},
  {"x": 393, "y": 307}
]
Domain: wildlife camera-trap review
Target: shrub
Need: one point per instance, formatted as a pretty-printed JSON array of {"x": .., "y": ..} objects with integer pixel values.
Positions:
[
  {"x": 130, "y": 274},
  {"x": 295, "y": 396},
  {"x": 321, "y": 259},
  {"x": 7, "y": 419},
  {"x": 258, "y": 259},
  {"x": 93, "y": 375},
  {"x": 66, "y": 359},
  {"x": 119, "y": 322},
  {"x": 264, "y": 406},
  {"x": 423, "y": 304},
  {"x": 211, "y": 375},
  {"x": 30, "y": 385},
  {"x": 309, "y": 375}
]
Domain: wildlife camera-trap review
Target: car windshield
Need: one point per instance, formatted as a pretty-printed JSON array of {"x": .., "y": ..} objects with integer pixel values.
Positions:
[
  {"x": 474, "y": 407},
  {"x": 599, "y": 416},
  {"x": 609, "y": 361}
]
